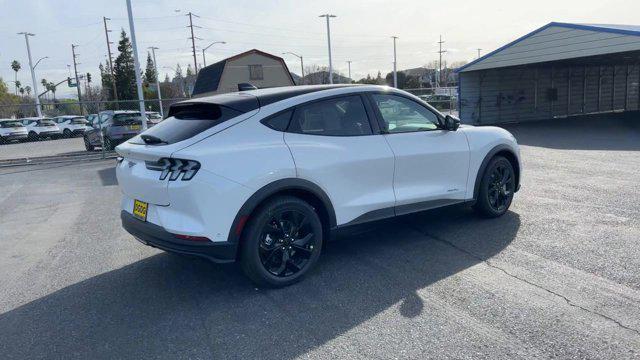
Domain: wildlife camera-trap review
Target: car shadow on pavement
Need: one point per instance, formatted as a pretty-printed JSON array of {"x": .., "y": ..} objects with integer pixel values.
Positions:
[
  {"x": 108, "y": 176},
  {"x": 594, "y": 132},
  {"x": 168, "y": 306}
]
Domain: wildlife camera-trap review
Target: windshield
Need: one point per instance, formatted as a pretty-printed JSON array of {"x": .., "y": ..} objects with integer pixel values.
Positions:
[{"x": 10, "y": 124}]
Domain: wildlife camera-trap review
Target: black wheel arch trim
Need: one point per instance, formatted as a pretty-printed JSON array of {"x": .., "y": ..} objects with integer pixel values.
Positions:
[
  {"x": 278, "y": 186},
  {"x": 483, "y": 166}
]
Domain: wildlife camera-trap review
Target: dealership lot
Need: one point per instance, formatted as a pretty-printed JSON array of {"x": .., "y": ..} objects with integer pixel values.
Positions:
[{"x": 557, "y": 276}]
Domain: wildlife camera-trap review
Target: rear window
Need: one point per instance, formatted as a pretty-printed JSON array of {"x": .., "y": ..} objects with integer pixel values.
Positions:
[
  {"x": 187, "y": 122},
  {"x": 47, "y": 122},
  {"x": 79, "y": 121},
  {"x": 127, "y": 119},
  {"x": 10, "y": 124}
]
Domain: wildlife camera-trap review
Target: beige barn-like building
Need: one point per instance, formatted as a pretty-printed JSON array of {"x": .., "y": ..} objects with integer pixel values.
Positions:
[{"x": 255, "y": 67}]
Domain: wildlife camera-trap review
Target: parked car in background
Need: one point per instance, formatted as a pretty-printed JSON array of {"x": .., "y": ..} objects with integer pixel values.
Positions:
[
  {"x": 265, "y": 176},
  {"x": 117, "y": 126},
  {"x": 41, "y": 128},
  {"x": 12, "y": 130},
  {"x": 153, "y": 116},
  {"x": 71, "y": 125}
]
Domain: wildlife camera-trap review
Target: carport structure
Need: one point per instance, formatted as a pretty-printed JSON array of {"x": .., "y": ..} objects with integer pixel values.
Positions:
[{"x": 556, "y": 71}]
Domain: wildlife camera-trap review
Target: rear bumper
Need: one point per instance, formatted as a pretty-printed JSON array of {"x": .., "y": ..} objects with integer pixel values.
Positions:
[
  {"x": 14, "y": 137},
  {"x": 156, "y": 236}
]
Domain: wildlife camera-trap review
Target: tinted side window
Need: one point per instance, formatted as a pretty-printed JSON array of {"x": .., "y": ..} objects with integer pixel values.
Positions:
[
  {"x": 280, "y": 121},
  {"x": 400, "y": 114},
  {"x": 344, "y": 116}
]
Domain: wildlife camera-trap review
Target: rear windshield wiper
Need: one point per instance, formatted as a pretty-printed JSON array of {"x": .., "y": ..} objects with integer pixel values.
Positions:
[{"x": 152, "y": 140}]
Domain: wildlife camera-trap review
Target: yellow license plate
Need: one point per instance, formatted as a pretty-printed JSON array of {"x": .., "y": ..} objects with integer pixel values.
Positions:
[
  {"x": 134, "y": 127},
  {"x": 140, "y": 209}
]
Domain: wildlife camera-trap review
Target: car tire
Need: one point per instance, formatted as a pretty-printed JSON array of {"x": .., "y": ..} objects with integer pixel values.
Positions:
[
  {"x": 66, "y": 133},
  {"x": 496, "y": 188},
  {"x": 33, "y": 136},
  {"x": 281, "y": 243},
  {"x": 87, "y": 144}
]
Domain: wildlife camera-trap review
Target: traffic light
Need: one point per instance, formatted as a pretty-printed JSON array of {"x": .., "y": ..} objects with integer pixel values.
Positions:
[{"x": 88, "y": 77}]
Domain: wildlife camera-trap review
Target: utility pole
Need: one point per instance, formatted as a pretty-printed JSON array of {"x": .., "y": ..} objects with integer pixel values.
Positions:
[
  {"x": 478, "y": 52},
  {"x": 193, "y": 40},
  {"x": 440, "y": 52},
  {"x": 75, "y": 70},
  {"x": 155, "y": 65},
  {"x": 33, "y": 73},
  {"x": 395, "y": 63},
  {"x": 113, "y": 78},
  {"x": 329, "y": 45},
  {"x": 301, "y": 66},
  {"x": 349, "y": 64},
  {"x": 134, "y": 45}
]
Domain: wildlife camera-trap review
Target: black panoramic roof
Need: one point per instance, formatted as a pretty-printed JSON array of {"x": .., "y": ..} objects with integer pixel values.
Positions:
[{"x": 246, "y": 101}]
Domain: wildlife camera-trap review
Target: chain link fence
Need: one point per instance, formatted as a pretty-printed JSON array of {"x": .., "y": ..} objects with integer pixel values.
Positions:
[{"x": 62, "y": 132}]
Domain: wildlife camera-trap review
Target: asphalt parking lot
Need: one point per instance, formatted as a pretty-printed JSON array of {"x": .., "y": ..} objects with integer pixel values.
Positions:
[
  {"x": 45, "y": 147},
  {"x": 556, "y": 277}
]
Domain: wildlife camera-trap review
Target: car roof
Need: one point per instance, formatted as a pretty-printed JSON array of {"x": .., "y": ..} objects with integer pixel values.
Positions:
[{"x": 248, "y": 100}]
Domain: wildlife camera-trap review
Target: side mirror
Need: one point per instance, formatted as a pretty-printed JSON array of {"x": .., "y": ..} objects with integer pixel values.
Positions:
[{"x": 451, "y": 123}]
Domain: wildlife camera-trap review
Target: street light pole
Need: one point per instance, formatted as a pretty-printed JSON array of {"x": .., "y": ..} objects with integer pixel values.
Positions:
[
  {"x": 137, "y": 65},
  {"x": 395, "y": 63},
  {"x": 155, "y": 66},
  {"x": 204, "y": 59},
  {"x": 327, "y": 16},
  {"x": 349, "y": 64},
  {"x": 301, "y": 65},
  {"x": 38, "y": 62},
  {"x": 33, "y": 73}
]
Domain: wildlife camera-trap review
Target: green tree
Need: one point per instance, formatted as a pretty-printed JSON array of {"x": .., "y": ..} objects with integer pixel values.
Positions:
[
  {"x": 124, "y": 69},
  {"x": 18, "y": 84},
  {"x": 150, "y": 75},
  {"x": 21, "y": 90},
  {"x": 189, "y": 71},
  {"x": 28, "y": 90},
  {"x": 15, "y": 66},
  {"x": 106, "y": 82}
]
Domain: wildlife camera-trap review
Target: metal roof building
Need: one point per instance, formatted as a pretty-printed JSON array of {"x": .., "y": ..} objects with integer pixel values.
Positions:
[{"x": 556, "y": 71}]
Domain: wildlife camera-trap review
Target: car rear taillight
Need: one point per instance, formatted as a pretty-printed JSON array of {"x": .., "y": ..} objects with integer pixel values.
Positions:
[{"x": 173, "y": 168}]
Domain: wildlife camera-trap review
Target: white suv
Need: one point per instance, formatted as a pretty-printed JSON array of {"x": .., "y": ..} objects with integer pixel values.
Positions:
[
  {"x": 71, "y": 125},
  {"x": 40, "y": 128},
  {"x": 266, "y": 176},
  {"x": 11, "y": 130}
]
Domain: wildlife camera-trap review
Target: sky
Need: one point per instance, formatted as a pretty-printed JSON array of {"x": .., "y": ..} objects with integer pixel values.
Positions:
[{"x": 360, "y": 33}]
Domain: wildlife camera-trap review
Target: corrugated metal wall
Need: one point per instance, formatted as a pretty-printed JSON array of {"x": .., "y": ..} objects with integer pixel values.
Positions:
[{"x": 536, "y": 93}]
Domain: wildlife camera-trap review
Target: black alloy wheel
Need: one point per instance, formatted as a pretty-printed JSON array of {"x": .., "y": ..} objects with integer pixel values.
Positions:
[
  {"x": 281, "y": 242},
  {"x": 501, "y": 187},
  {"x": 286, "y": 243},
  {"x": 497, "y": 188}
]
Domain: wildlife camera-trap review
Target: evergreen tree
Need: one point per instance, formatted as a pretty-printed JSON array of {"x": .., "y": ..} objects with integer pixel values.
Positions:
[
  {"x": 106, "y": 82},
  {"x": 124, "y": 69},
  {"x": 150, "y": 75},
  {"x": 189, "y": 71}
]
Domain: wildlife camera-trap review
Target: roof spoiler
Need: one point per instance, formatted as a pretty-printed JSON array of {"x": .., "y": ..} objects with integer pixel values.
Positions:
[{"x": 246, "y": 86}]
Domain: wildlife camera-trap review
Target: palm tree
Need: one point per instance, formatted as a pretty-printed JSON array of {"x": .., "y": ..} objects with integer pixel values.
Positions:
[
  {"x": 52, "y": 87},
  {"x": 18, "y": 84},
  {"x": 21, "y": 90},
  {"x": 28, "y": 90},
  {"x": 45, "y": 84},
  {"x": 15, "y": 65}
]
